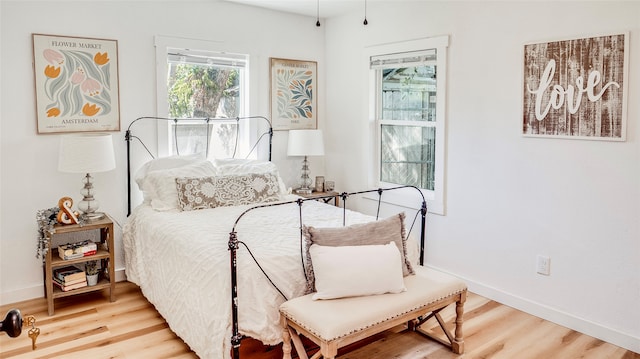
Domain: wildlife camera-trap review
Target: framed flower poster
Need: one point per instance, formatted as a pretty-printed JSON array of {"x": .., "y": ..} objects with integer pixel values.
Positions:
[
  {"x": 576, "y": 88},
  {"x": 293, "y": 94},
  {"x": 76, "y": 83}
]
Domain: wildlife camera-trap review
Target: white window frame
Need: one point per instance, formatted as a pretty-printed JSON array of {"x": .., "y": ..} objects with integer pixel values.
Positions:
[
  {"x": 406, "y": 198},
  {"x": 164, "y": 45}
]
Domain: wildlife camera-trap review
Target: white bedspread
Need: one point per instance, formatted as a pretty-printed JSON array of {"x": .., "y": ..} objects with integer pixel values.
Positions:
[{"x": 180, "y": 260}]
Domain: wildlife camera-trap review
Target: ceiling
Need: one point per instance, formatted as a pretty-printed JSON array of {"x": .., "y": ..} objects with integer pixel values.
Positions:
[
  {"x": 329, "y": 8},
  {"x": 326, "y": 8}
]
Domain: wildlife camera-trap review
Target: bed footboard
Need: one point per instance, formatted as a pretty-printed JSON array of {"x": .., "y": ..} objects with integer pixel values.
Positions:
[{"x": 234, "y": 246}]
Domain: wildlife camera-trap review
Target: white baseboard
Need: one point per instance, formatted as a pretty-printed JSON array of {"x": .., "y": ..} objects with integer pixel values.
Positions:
[
  {"x": 581, "y": 325},
  {"x": 20, "y": 295},
  {"x": 120, "y": 275},
  {"x": 37, "y": 291}
]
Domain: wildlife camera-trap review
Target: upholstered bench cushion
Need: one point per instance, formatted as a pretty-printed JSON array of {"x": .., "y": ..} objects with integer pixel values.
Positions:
[{"x": 349, "y": 315}]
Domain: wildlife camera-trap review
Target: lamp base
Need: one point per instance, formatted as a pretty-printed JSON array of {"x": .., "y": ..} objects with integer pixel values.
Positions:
[
  {"x": 304, "y": 191},
  {"x": 305, "y": 181},
  {"x": 89, "y": 205},
  {"x": 94, "y": 216}
]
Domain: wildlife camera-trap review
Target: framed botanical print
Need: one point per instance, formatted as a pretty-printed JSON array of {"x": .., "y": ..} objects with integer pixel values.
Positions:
[
  {"x": 293, "y": 94},
  {"x": 76, "y": 82}
]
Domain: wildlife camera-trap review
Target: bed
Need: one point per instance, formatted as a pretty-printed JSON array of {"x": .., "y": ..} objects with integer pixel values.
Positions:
[{"x": 179, "y": 251}]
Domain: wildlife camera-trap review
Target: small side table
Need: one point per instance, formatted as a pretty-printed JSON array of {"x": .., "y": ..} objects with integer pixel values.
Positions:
[
  {"x": 105, "y": 254},
  {"x": 324, "y": 196}
]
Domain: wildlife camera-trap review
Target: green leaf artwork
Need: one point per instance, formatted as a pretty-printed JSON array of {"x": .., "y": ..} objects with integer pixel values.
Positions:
[{"x": 293, "y": 94}]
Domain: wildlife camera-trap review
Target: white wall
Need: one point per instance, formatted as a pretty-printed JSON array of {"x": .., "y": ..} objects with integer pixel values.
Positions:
[
  {"x": 30, "y": 179},
  {"x": 510, "y": 198}
]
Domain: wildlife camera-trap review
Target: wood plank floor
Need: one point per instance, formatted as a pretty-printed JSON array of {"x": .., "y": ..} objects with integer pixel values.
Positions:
[{"x": 89, "y": 326}]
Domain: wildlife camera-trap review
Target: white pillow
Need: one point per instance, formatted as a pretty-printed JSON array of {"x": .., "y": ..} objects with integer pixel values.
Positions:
[
  {"x": 350, "y": 271},
  {"x": 235, "y": 166},
  {"x": 160, "y": 185},
  {"x": 231, "y": 161},
  {"x": 163, "y": 163}
]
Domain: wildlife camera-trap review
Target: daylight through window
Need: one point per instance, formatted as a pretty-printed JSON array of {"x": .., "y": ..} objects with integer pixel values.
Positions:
[
  {"x": 407, "y": 88},
  {"x": 407, "y": 117},
  {"x": 202, "y": 84}
]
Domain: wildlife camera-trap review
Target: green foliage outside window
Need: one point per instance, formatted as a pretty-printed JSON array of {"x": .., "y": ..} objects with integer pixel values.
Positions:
[{"x": 202, "y": 91}]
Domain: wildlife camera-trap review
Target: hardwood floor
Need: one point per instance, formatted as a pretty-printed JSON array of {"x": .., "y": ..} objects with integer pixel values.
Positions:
[{"x": 89, "y": 326}]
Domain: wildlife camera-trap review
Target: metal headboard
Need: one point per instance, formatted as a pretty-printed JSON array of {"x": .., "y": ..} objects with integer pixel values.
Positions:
[{"x": 207, "y": 120}]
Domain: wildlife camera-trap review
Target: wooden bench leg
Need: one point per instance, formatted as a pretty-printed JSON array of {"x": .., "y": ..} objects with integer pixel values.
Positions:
[
  {"x": 286, "y": 340},
  {"x": 455, "y": 340},
  {"x": 289, "y": 334},
  {"x": 457, "y": 345},
  {"x": 329, "y": 350}
]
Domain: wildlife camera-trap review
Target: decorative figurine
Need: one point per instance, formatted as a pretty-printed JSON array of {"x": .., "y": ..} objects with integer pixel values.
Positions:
[
  {"x": 329, "y": 186},
  {"x": 319, "y": 184},
  {"x": 66, "y": 214}
]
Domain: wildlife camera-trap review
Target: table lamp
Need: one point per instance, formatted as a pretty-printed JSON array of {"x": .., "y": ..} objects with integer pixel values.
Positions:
[
  {"x": 87, "y": 153},
  {"x": 305, "y": 143}
]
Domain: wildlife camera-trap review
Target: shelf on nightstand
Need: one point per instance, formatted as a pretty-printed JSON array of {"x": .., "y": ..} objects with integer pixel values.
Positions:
[{"x": 56, "y": 261}]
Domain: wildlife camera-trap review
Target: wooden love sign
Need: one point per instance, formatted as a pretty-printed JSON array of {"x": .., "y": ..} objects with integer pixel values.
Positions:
[{"x": 576, "y": 88}]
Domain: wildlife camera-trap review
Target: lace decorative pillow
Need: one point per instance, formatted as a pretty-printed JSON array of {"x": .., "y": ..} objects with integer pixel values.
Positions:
[{"x": 234, "y": 190}]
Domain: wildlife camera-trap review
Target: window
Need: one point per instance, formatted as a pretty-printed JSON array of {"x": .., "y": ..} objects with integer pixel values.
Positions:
[
  {"x": 201, "y": 84},
  {"x": 408, "y": 103},
  {"x": 406, "y": 115}
]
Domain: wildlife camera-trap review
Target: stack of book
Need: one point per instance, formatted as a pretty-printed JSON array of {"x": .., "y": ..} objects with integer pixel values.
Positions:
[
  {"x": 69, "y": 277},
  {"x": 77, "y": 250}
]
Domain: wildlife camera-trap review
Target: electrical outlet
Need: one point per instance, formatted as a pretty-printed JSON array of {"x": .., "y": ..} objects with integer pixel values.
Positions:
[{"x": 543, "y": 265}]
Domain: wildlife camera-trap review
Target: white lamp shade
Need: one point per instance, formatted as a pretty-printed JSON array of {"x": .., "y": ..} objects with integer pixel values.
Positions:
[
  {"x": 86, "y": 153},
  {"x": 305, "y": 143}
]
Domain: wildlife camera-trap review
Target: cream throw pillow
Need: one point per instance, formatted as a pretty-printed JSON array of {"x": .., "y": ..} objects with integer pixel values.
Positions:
[
  {"x": 351, "y": 271},
  {"x": 382, "y": 231}
]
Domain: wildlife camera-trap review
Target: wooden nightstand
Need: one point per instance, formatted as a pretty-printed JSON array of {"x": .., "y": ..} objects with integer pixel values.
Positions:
[
  {"x": 104, "y": 255},
  {"x": 324, "y": 196}
]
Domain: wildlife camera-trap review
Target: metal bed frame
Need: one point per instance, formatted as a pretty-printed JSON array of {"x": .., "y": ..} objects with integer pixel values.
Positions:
[
  {"x": 234, "y": 243},
  {"x": 206, "y": 120}
]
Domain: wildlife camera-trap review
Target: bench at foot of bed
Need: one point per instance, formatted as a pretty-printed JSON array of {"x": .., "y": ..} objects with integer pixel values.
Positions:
[{"x": 335, "y": 323}]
